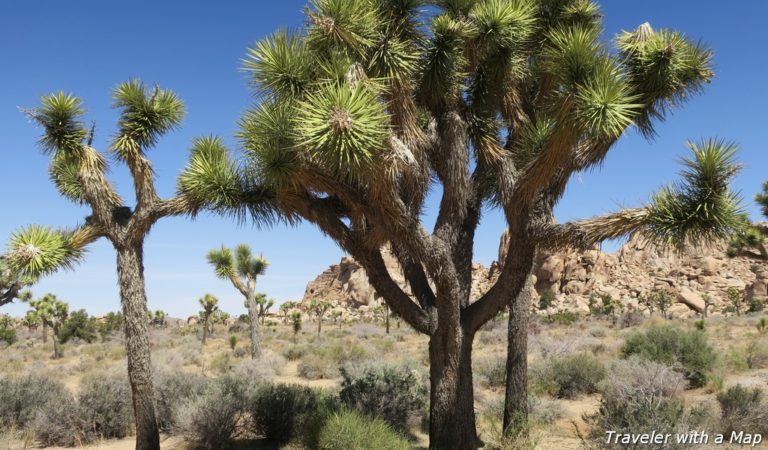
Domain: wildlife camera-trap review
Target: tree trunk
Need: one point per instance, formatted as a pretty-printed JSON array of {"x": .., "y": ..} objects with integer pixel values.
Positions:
[
  {"x": 386, "y": 311},
  {"x": 45, "y": 334},
  {"x": 57, "y": 353},
  {"x": 319, "y": 324},
  {"x": 253, "y": 315},
  {"x": 516, "y": 398},
  {"x": 205, "y": 329},
  {"x": 130, "y": 271},
  {"x": 452, "y": 413}
]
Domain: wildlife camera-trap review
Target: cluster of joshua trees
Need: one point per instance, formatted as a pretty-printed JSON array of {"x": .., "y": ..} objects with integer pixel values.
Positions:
[{"x": 361, "y": 112}]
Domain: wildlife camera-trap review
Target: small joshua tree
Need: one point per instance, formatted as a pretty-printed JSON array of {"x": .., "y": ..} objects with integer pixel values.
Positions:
[
  {"x": 336, "y": 317},
  {"x": 662, "y": 300},
  {"x": 296, "y": 324},
  {"x": 735, "y": 298},
  {"x": 285, "y": 310},
  {"x": 264, "y": 305},
  {"x": 708, "y": 301},
  {"x": 210, "y": 305},
  {"x": 232, "y": 342},
  {"x": 750, "y": 240},
  {"x": 52, "y": 312},
  {"x": 31, "y": 321},
  {"x": 319, "y": 308},
  {"x": 242, "y": 270}
]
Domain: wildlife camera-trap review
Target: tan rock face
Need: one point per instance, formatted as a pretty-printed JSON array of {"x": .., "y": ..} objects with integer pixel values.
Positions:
[{"x": 632, "y": 272}]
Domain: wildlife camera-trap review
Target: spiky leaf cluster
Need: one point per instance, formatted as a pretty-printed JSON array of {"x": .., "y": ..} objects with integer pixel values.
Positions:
[
  {"x": 700, "y": 208},
  {"x": 37, "y": 250}
]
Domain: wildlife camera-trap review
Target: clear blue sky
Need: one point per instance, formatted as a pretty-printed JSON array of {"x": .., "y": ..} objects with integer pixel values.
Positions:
[{"x": 194, "y": 48}]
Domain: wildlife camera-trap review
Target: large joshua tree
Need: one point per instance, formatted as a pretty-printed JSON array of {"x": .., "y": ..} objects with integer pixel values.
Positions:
[
  {"x": 79, "y": 172},
  {"x": 488, "y": 104},
  {"x": 242, "y": 270}
]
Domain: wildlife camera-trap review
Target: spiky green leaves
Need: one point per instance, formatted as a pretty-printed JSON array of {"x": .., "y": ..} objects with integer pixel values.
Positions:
[
  {"x": 280, "y": 65},
  {"x": 444, "y": 67},
  {"x": 64, "y": 175},
  {"x": 349, "y": 25},
  {"x": 605, "y": 105},
  {"x": 503, "y": 26},
  {"x": 36, "y": 251},
  {"x": 209, "y": 303},
  {"x": 268, "y": 138},
  {"x": 211, "y": 179},
  {"x": 700, "y": 208},
  {"x": 572, "y": 55},
  {"x": 222, "y": 262},
  {"x": 59, "y": 115},
  {"x": 144, "y": 116},
  {"x": 342, "y": 127},
  {"x": 664, "y": 67},
  {"x": 247, "y": 264}
]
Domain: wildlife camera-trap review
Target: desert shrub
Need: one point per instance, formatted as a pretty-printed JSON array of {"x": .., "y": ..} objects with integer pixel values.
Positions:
[
  {"x": 687, "y": 351},
  {"x": 547, "y": 299},
  {"x": 173, "y": 389},
  {"x": 350, "y": 431},
  {"x": 268, "y": 366},
  {"x": 104, "y": 407},
  {"x": 631, "y": 319},
  {"x": 21, "y": 397},
  {"x": 491, "y": 371},
  {"x": 542, "y": 410},
  {"x": 569, "y": 376},
  {"x": 79, "y": 325},
  {"x": 756, "y": 354},
  {"x": 214, "y": 419},
  {"x": 565, "y": 318},
  {"x": 295, "y": 351},
  {"x": 280, "y": 411},
  {"x": 315, "y": 367},
  {"x": 638, "y": 396},
  {"x": 756, "y": 305},
  {"x": 7, "y": 332},
  {"x": 393, "y": 394},
  {"x": 56, "y": 423},
  {"x": 743, "y": 409}
]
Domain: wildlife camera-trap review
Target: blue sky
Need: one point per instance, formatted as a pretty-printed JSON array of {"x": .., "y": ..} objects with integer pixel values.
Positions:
[{"x": 194, "y": 48}]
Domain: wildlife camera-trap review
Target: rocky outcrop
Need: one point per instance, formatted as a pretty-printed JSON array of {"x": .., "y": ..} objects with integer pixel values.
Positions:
[{"x": 627, "y": 275}]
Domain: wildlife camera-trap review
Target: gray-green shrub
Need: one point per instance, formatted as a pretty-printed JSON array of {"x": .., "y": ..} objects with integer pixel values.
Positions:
[
  {"x": 687, "y": 351},
  {"x": 569, "y": 376},
  {"x": 173, "y": 389},
  {"x": 279, "y": 411},
  {"x": 104, "y": 407},
  {"x": 393, "y": 394},
  {"x": 21, "y": 397},
  {"x": 743, "y": 409}
]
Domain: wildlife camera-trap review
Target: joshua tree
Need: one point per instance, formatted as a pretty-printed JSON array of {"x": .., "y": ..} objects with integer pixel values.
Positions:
[
  {"x": 264, "y": 305},
  {"x": 662, "y": 300},
  {"x": 52, "y": 312},
  {"x": 242, "y": 270},
  {"x": 210, "y": 305},
  {"x": 296, "y": 324},
  {"x": 500, "y": 102},
  {"x": 79, "y": 172},
  {"x": 336, "y": 317},
  {"x": 285, "y": 310},
  {"x": 157, "y": 318},
  {"x": 31, "y": 321},
  {"x": 708, "y": 301},
  {"x": 735, "y": 298},
  {"x": 750, "y": 239},
  {"x": 319, "y": 308}
]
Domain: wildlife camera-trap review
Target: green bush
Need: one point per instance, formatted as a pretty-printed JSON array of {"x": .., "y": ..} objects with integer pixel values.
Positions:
[
  {"x": 350, "y": 431},
  {"x": 280, "y": 411},
  {"x": 569, "y": 376},
  {"x": 79, "y": 325},
  {"x": 688, "y": 351},
  {"x": 295, "y": 351},
  {"x": 393, "y": 394},
  {"x": 7, "y": 332},
  {"x": 743, "y": 409},
  {"x": 20, "y": 398},
  {"x": 173, "y": 389},
  {"x": 565, "y": 318}
]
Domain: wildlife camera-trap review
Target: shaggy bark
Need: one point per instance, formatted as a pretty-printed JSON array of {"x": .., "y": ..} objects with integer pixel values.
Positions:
[
  {"x": 130, "y": 270},
  {"x": 253, "y": 315},
  {"x": 516, "y": 397}
]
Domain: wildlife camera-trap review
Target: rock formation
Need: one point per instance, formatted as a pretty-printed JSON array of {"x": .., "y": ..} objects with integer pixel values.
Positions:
[{"x": 626, "y": 275}]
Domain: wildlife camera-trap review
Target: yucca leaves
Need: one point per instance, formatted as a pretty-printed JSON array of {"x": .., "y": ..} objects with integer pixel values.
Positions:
[
  {"x": 248, "y": 265},
  {"x": 342, "y": 126},
  {"x": 350, "y": 25},
  {"x": 762, "y": 199},
  {"x": 280, "y": 65},
  {"x": 37, "y": 250},
  {"x": 572, "y": 55},
  {"x": 222, "y": 262},
  {"x": 605, "y": 105},
  {"x": 268, "y": 137},
  {"x": 144, "y": 117},
  {"x": 59, "y": 115},
  {"x": 700, "y": 208},
  {"x": 502, "y": 26},
  {"x": 211, "y": 179}
]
